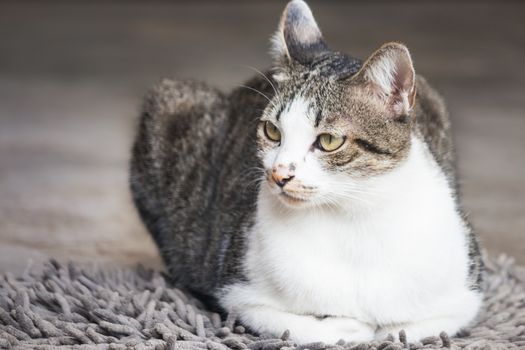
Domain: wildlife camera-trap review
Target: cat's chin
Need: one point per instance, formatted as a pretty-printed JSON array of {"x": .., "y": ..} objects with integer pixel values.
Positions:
[{"x": 291, "y": 200}]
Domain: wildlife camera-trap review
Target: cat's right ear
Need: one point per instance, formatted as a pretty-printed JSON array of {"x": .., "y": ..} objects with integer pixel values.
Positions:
[
  {"x": 390, "y": 74},
  {"x": 298, "y": 37}
]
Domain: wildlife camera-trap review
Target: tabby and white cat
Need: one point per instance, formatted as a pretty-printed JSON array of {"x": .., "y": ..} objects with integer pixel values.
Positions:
[{"x": 333, "y": 213}]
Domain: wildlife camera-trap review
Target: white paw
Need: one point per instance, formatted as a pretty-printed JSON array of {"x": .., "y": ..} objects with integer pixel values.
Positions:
[
  {"x": 384, "y": 332},
  {"x": 332, "y": 329}
]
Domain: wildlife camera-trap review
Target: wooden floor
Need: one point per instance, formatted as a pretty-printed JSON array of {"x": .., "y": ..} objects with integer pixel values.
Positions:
[{"x": 72, "y": 75}]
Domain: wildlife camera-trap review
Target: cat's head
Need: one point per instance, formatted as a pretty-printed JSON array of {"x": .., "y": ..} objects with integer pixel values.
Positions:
[{"x": 334, "y": 121}]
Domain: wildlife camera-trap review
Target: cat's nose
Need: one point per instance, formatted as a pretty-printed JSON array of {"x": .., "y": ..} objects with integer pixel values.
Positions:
[
  {"x": 281, "y": 181},
  {"x": 281, "y": 175}
]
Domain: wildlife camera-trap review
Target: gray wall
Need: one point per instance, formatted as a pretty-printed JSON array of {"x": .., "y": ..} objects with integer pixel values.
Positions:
[{"x": 72, "y": 74}]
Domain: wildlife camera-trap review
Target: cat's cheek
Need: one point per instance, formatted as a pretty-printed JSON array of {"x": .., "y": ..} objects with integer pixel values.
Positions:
[
  {"x": 311, "y": 173},
  {"x": 265, "y": 148},
  {"x": 268, "y": 158}
]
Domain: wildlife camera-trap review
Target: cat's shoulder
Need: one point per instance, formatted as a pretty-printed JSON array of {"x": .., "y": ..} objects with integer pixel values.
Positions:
[
  {"x": 257, "y": 90},
  {"x": 429, "y": 100},
  {"x": 432, "y": 123}
]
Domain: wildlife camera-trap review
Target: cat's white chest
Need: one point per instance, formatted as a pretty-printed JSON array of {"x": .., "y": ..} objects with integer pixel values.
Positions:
[
  {"x": 310, "y": 264},
  {"x": 380, "y": 267},
  {"x": 330, "y": 265}
]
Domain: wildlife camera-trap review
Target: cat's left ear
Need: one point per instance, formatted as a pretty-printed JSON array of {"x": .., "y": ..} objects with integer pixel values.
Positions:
[
  {"x": 390, "y": 74},
  {"x": 298, "y": 37}
]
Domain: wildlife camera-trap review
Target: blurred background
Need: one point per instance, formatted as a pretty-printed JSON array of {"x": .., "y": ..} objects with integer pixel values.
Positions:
[{"x": 72, "y": 75}]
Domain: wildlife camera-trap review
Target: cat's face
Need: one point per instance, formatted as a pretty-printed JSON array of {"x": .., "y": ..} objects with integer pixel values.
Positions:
[{"x": 333, "y": 123}]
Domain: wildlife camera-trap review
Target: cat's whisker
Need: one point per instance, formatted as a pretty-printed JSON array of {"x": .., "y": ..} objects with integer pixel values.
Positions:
[
  {"x": 341, "y": 191},
  {"x": 277, "y": 94},
  {"x": 257, "y": 172},
  {"x": 368, "y": 193},
  {"x": 258, "y": 117},
  {"x": 260, "y": 93},
  {"x": 254, "y": 170},
  {"x": 353, "y": 198},
  {"x": 256, "y": 181},
  {"x": 330, "y": 202},
  {"x": 353, "y": 189}
]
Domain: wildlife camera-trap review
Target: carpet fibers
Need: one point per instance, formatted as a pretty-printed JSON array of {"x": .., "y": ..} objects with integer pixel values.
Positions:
[{"x": 63, "y": 306}]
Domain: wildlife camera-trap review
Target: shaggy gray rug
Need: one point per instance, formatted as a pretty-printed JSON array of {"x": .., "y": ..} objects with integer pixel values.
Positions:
[{"x": 59, "y": 306}]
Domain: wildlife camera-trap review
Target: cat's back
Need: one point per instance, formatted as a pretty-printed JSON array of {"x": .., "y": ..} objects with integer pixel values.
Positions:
[
  {"x": 192, "y": 175},
  {"x": 432, "y": 123}
]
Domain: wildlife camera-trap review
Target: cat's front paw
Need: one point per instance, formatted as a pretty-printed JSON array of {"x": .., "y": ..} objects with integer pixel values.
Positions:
[
  {"x": 391, "y": 333},
  {"x": 348, "y": 329}
]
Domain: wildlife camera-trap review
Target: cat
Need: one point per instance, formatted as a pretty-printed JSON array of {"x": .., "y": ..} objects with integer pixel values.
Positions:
[{"x": 320, "y": 198}]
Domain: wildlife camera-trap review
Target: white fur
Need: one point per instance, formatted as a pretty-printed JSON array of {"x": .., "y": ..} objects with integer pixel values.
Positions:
[
  {"x": 383, "y": 72},
  {"x": 381, "y": 254},
  {"x": 392, "y": 65}
]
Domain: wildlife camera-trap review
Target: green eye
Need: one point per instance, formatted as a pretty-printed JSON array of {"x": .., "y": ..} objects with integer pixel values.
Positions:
[
  {"x": 272, "y": 132},
  {"x": 329, "y": 143}
]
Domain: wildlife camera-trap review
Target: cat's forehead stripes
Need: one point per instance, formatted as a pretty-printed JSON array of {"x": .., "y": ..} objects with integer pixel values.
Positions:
[
  {"x": 300, "y": 109},
  {"x": 318, "y": 117},
  {"x": 318, "y": 84},
  {"x": 336, "y": 65},
  {"x": 280, "y": 111}
]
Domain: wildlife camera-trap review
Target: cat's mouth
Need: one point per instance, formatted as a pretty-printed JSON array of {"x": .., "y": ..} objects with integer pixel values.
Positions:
[
  {"x": 293, "y": 193},
  {"x": 291, "y": 199}
]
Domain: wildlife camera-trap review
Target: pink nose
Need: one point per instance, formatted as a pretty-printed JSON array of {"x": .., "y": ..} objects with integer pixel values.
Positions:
[{"x": 282, "y": 174}]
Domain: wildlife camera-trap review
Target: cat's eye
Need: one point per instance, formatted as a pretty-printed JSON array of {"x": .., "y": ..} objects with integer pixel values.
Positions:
[
  {"x": 329, "y": 142},
  {"x": 272, "y": 132}
]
